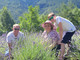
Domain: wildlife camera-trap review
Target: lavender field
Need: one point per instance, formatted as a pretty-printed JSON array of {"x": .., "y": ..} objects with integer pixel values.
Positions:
[
  {"x": 3, "y": 46},
  {"x": 32, "y": 49}
]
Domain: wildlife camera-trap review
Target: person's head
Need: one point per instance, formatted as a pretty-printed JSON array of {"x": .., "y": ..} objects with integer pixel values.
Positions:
[
  {"x": 52, "y": 17},
  {"x": 16, "y": 28},
  {"x": 48, "y": 26}
]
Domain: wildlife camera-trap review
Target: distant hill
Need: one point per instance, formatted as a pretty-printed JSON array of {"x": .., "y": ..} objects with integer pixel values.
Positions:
[{"x": 17, "y": 7}]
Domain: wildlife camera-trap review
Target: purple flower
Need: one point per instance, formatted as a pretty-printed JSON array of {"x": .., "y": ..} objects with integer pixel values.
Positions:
[
  {"x": 33, "y": 42},
  {"x": 3, "y": 35}
]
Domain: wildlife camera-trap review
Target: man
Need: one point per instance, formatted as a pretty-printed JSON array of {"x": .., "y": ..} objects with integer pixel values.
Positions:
[
  {"x": 64, "y": 26},
  {"x": 13, "y": 37}
]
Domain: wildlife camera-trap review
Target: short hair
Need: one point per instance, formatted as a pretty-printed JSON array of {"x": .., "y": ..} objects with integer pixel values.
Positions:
[
  {"x": 51, "y": 14},
  {"x": 16, "y": 25}
]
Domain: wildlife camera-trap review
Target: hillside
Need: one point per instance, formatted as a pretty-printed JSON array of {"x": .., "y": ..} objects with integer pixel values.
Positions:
[{"x": 17, "y": 7}]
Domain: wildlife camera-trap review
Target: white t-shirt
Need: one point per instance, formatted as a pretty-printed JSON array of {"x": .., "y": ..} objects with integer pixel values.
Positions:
[
  {"x": 12, "y": 39},
  {"x": 66, "y": 24}
]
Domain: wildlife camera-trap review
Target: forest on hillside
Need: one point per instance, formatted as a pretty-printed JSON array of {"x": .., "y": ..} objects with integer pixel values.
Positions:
[
  {"x": 32, "y": 20},
  {"x": 18, "y": 7}
]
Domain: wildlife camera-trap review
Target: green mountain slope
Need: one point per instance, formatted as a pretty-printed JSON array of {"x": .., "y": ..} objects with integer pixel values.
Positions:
[{"x": 17, "y": 7}]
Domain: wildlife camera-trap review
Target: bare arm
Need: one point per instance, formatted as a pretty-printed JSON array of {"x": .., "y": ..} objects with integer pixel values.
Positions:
[
  {"x": 60, "y": 31},
  {"x": 9, "y": 45}
]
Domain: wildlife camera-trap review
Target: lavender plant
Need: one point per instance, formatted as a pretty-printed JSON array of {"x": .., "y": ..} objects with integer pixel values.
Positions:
[{"x": 32, "y": 49}]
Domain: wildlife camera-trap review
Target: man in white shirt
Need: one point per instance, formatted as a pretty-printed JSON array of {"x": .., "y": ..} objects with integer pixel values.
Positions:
[
  {"x": 64, "y": 26},
  {"x": 13, "y": 37}
]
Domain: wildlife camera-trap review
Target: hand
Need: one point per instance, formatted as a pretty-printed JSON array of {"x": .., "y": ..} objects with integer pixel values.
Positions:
[{"x": 50, "y": 46}]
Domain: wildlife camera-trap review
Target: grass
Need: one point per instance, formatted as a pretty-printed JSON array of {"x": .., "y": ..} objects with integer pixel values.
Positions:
[{"x": 32, "y": 49}]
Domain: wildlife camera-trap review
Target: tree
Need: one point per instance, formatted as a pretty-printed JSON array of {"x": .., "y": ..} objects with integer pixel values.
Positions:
[
  {"x": 70, "y": 12},
  {"x": 6, "y": 20},
  {"x": 31, "y": 20}
]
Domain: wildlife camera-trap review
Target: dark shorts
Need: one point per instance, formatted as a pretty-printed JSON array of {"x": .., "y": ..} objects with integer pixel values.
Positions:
[
  {"x": 67, "y": 37},
  {"x": 58, "y": 47}
]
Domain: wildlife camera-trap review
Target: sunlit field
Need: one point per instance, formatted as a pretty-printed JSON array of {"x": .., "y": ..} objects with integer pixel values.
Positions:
[{"x": 31, "y": 48}]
